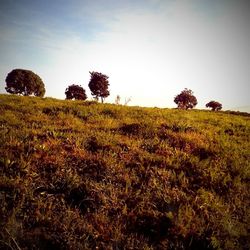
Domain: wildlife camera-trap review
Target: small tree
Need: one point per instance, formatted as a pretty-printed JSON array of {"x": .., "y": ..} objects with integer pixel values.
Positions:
[
  {"x": 98, "y": 85},
  {"x": 186, "y": 99},
  {"x": 24, "y": 82},
  {"x": 117, "y": 100},
  {"x": 127, "y": 100},
  {"x": 215, "y": 106},
  {"x": 75, "y": 92}
]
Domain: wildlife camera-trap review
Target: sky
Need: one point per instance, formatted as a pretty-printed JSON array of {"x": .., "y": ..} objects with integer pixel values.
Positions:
[{"x": 150, "y": 49}]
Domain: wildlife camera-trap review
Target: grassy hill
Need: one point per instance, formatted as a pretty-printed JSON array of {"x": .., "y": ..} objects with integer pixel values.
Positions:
[{"x": 84, "y": 175}]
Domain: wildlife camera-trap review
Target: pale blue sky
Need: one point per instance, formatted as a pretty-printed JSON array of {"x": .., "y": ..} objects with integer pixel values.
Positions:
[{"x": 150, "y": 49}]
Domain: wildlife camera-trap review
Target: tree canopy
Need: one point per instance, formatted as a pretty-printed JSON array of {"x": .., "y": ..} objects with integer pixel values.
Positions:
[
  {"x": 215, "y": 106},
  {"x": 75, "y": 92},
  {"x": 186, "y": 99},
  {"x": 24, "y": 82},
  {"x": 98, "y": 85}
]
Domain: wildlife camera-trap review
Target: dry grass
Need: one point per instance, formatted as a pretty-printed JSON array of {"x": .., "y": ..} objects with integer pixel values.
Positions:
[{"x": 84, "y": 175}]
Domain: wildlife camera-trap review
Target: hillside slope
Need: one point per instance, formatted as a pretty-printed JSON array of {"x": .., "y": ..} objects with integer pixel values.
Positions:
[{"x": 84, "y": 175}]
